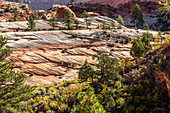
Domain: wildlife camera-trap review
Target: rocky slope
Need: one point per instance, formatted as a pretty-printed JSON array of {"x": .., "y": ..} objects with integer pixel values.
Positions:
[
  {"x": 7, "y": 10},
  {"x": 51, "y": 56}
]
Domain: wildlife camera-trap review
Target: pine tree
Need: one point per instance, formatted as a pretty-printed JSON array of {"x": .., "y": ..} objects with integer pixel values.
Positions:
[
  {"x": 141, "y": 46},
  {"x": 31, "y": 23},
  {"x": 12, "y": 88},
  {"x": 86, "y": 72},
  {"x": 77, "y": 23},
  {"x": 120, "y": 20},
  {"x": 61, "y": 3},
  {"x": 165, "y": 9},
  {"x": 15, "y": 14},
  {"x": 68, "y": 19},
  {"x": 146, "y": 27},
  {"x": 53, "y": 20},
  {"x": 86, "y": 16},
  {"x": 137, "y": 16},
  {"x": 113, "y": 23}
]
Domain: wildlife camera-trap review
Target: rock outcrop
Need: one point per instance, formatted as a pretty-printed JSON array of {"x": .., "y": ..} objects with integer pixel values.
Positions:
[
  {"x": 7, "y": 11},
  {"x": 59, "y": 11},
  {"x": 51, "y": 56}
]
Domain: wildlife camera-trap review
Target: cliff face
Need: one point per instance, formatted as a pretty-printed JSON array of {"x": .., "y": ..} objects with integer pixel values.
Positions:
[
  {"x": 116, "y": 3},
  {"x": 46, "y": 4}
]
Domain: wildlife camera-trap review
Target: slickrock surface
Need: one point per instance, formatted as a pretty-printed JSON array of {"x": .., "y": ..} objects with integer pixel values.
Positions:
[{"x": 51, "y": 56}]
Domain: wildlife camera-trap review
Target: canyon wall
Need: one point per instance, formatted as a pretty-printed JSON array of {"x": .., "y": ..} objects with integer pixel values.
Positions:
[
  {"x": 46, "y": 4},
  {"x": 115, "y": 3}
]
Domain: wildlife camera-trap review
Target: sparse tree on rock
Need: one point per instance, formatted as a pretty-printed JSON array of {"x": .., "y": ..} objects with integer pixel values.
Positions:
[
  {"x": 77, "y": 23},
  {"x": 113, "y": 23},
  {"x": 137, "y": 16},
  {"x": 15, "y": 14},
  {"x": 146, "y": 27},
  {"x": 68, "y": 19},
  {"x": 120, "y": 20},
  {"x": 53, "y": 20},
  {"x": 12, "y": 88},
  {"x": 31, "y": 23},
  {"x": 86, "y": 72},
  {"x": 141, "y": 46},
  {"x": 137, "y": 49},
  {"x": 86, "y": 16},
  {"x": 61, "y": 3}
]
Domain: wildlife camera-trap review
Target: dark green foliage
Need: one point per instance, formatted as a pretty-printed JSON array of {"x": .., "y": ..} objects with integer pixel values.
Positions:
[
  {"x": 77, "y": 23},
  {"x": 144, "y": 94},
  {"x": 86, "y": 16},
  {"x": 12, "y": 88},
  {"x": 146, "y": 27},
  {"x": 68, "y": 19},
  {"x": 15, "y": 14},
  {"x": 120, "y": 20},
  {"x": 106, "y": 80},
  {"x": 86, "y": 72},
  {"x": 7, "y": 8},
  {"x": 61, "y": 3},
  {"x": 53, "y": 20},
  {"x": 44, "y": 17},
  {"x": 137, "y": 16},
  {"x": 113, "y": 23},
  {"x": 31, "y": 23},
  {"x": 141, "y": 46},
  {"x": 106, "y": 69},
  {"x": 88, "y": 103}
]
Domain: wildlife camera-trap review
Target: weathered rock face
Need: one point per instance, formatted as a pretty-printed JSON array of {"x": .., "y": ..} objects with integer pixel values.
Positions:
[
  {"x": 7, "y": 15},
  {"x": 59, "y": 11},
  {"x": 116, "y": 3},
  {"x": 51, "y": 56},
  {"x": 46, "y": 4}
]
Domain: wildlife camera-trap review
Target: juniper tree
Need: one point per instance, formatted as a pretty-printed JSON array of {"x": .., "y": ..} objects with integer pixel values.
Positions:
[
  {"x": 141, "y": 46},
  {"x": 12, "y": 88},
  {"x": 113, "y": 23},
  {"x": 120, "y": 20},
  {"x": 68, "y": 19},
  {"x": 31, "y": 23},
  {"x": 77, "y": 23},
  {"x": 86, "y": 16},
  {"x": 86, "y": 72},
  {"x": 146, "y": 27},
  {"x": 53, "y": 20},
  {"x": 15, "y": 14},
  {"x": 137, "y": 16}
]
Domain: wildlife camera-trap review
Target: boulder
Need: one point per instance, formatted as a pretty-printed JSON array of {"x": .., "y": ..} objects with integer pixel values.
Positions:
[{"x": 60, "y": 10}]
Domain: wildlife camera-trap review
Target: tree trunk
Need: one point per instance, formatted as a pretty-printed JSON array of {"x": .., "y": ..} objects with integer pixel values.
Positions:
[{"x": 135, "y": 24}]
